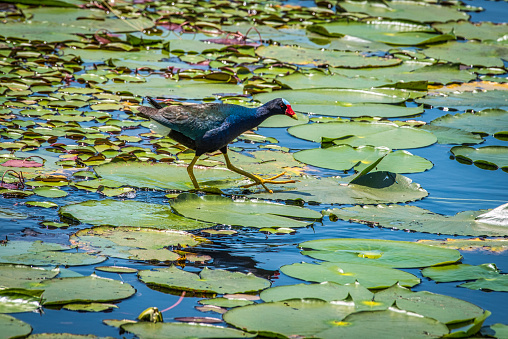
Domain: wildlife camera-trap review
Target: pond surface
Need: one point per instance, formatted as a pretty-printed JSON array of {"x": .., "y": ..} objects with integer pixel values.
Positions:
[{"x": 453, "y": 187}]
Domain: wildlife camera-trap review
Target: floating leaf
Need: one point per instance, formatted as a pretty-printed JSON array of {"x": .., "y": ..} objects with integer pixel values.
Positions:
[
  {"x": 181, "y": 330},
  {"x": 92, "y": 307},
  {"x": 306, "y": 56},
  {"x": 460, "y": 272},
  {"x": 494, "y": 245},
  {"x": 165, "y": 176},
  {"x": 345, "y": 157},
  {"x": 223, "y": 210},
  {"x": 489, "y": 121},
  {"x": 420, "y": 220},
  {"x": 372, "y": 188},
  {"x": 487, "y": 157},
  {"x": 326, "y": 291},
  {"x": 17, "y": 276},
  {"x": 49, "y": 192},
  {"x": 359, "y": 134},
  {"x": 225, "y": 302},
  {"x": 469, "y": 53},
  {"x": 134, "y": 243},
  {"x": 467, "y": 100},
  {"x": 343, "y": 273},
  {"x": 12, "y": 327},
  {"x": 386, "y": 253},
  {"x": 450, "y": 136},
  {"x": 83, "y": 289},
  {"x": 128, "y": 213},
  {"x": 499, "y": 283},
  {"x": 116, "y": 269},
  {"x": 208, "y": 281},
  {"x": 290, "y": 318}
]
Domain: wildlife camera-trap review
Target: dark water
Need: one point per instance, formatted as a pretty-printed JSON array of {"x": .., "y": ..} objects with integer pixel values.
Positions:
[{"x": 452, "y": 187}]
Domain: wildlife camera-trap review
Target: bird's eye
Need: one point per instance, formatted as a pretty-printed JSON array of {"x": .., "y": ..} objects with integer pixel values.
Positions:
[{"x": 281, "y": 105}]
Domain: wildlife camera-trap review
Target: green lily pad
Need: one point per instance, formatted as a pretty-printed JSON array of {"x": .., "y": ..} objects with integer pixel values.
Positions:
[
  {"x": 431, "y": 305},
  {"x": 343, "y": 273},
  {"x": 225, "y": 302},
  {"x": 474, "y": 244},
  {"x": 420, "y": 220},
  {"x": 60, "y": 291},
  {"x": 469, "y": 53},
  {"x": 182, "y": 89},
  {"x": 372, "y": 188},
  {"x": 460, "y": 272},
  {"x": 208, "y": 281},
  {"x": 326, "y": 291},
  {"x": 180, "y": 330},
  {"x": 44, "y": 254},
  {"x": 18, "y": 276},
  {"x": 451, "y": 136},
  {"x": 390, "y": 32},
  {"x": 320, "y": 80},
  {"x": 386, "y": 324},
  {"x": 489, "y": 121},
  {"x": 483, "y": 31},
  {"x": 359, "y": 134},
  {"x": 330, "y": 101},
  {"x": 49, "y": 192},
  {"x": 44, "y": 204},
  {"x": 488, "y": 157},
  {"x": 91, "y": 307},
  {"x": 278, "y": 121},
  {"x": 467, "y": 100},
  {"x": 14, "y": 328},
  {"x": 413, "y": 11},
  {"x": 17, "y": 301},
  {"x": 496, "y": 330},
  {"x": 345, "y": 157},
  {"x": 133, "y": 243},
  {"x": 116, "y": 269},
  {"x": 165, "y": 176},
  {"x": 386, "y": 253},
  {"x": 499, "y": 283},
  {"x": 223, "y": 210},
  {"x": 128, "y": 213},
  {"x": 290, "y": 318},
  {"x": 308, "y": 56}
]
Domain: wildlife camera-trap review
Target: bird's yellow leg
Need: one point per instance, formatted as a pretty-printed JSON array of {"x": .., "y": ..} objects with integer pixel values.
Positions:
[
  {"x": 257, "y": 180},
  {"x": 190, "y": 171}
]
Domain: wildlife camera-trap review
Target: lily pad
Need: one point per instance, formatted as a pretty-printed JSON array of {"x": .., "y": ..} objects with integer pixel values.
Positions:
[
  {"x": 345, "y": 157},
  {"x": 372, "y": 188},
  {"x": 18, "y": 276},
  {"x": 330, "y": 101},
  {"x": 499, "y": 283},
  {"x": 420, "y": 220},
  {"x": 116, "y": 269},
  {"x": 360, "y": 133},
  {"x": 91, "y": 307},
  {"x": 488, "y": 157},
  {"x": 44, "y": 254},
  {"x": 308, "y": 56},
  {"x": 290, "y": 318},
  {"x": 208, "y": 281},
  {"x": 60, "y": 291},
  {"x": 128, "y": 213},
  {"x": 386, "y": 324},
  {"x": 165, "y": 176},
  {"x": 467, "y": 100},
  {"x": 474, "y": 244},
  {"x": 182, "y": 330},
  {"x": 13, "y": 328},
  {"x": 223, "y": 210},
  {"x": 451, "y": 136},
  {"x": 49, "y": 192},
  {"x": 326, "y": 291},
  {"x": 460, "y": 272},
  {"x": 469, "y": 53},
  {"x": 413, "y": 11},
  {"x": 344, "y": 273},
  {"x": 17, "y": 301},
  {"x": 386, "y": 253},
  {"x": 225, "y": 302},
  {"x": 134, "y": 243},
  {"x": 489, "y": 121}
]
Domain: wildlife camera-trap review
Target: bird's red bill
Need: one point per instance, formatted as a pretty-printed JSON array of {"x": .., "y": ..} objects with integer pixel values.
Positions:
[{"x": 290, "y": 113}]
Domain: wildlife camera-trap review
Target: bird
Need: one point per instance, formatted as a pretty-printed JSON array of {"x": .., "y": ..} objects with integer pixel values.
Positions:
[{"x": 209, "y": 127}]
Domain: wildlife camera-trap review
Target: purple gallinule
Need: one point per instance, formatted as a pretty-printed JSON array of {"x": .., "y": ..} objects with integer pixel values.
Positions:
[{"x": 212, "y": 126}]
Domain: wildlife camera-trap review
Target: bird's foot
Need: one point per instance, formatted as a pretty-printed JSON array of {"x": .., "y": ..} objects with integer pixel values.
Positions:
[{"x": 262, "y": 182}]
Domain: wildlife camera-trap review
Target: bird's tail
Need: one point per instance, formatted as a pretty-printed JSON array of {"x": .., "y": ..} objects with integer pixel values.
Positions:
[{"x": 154, "y": 103}]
